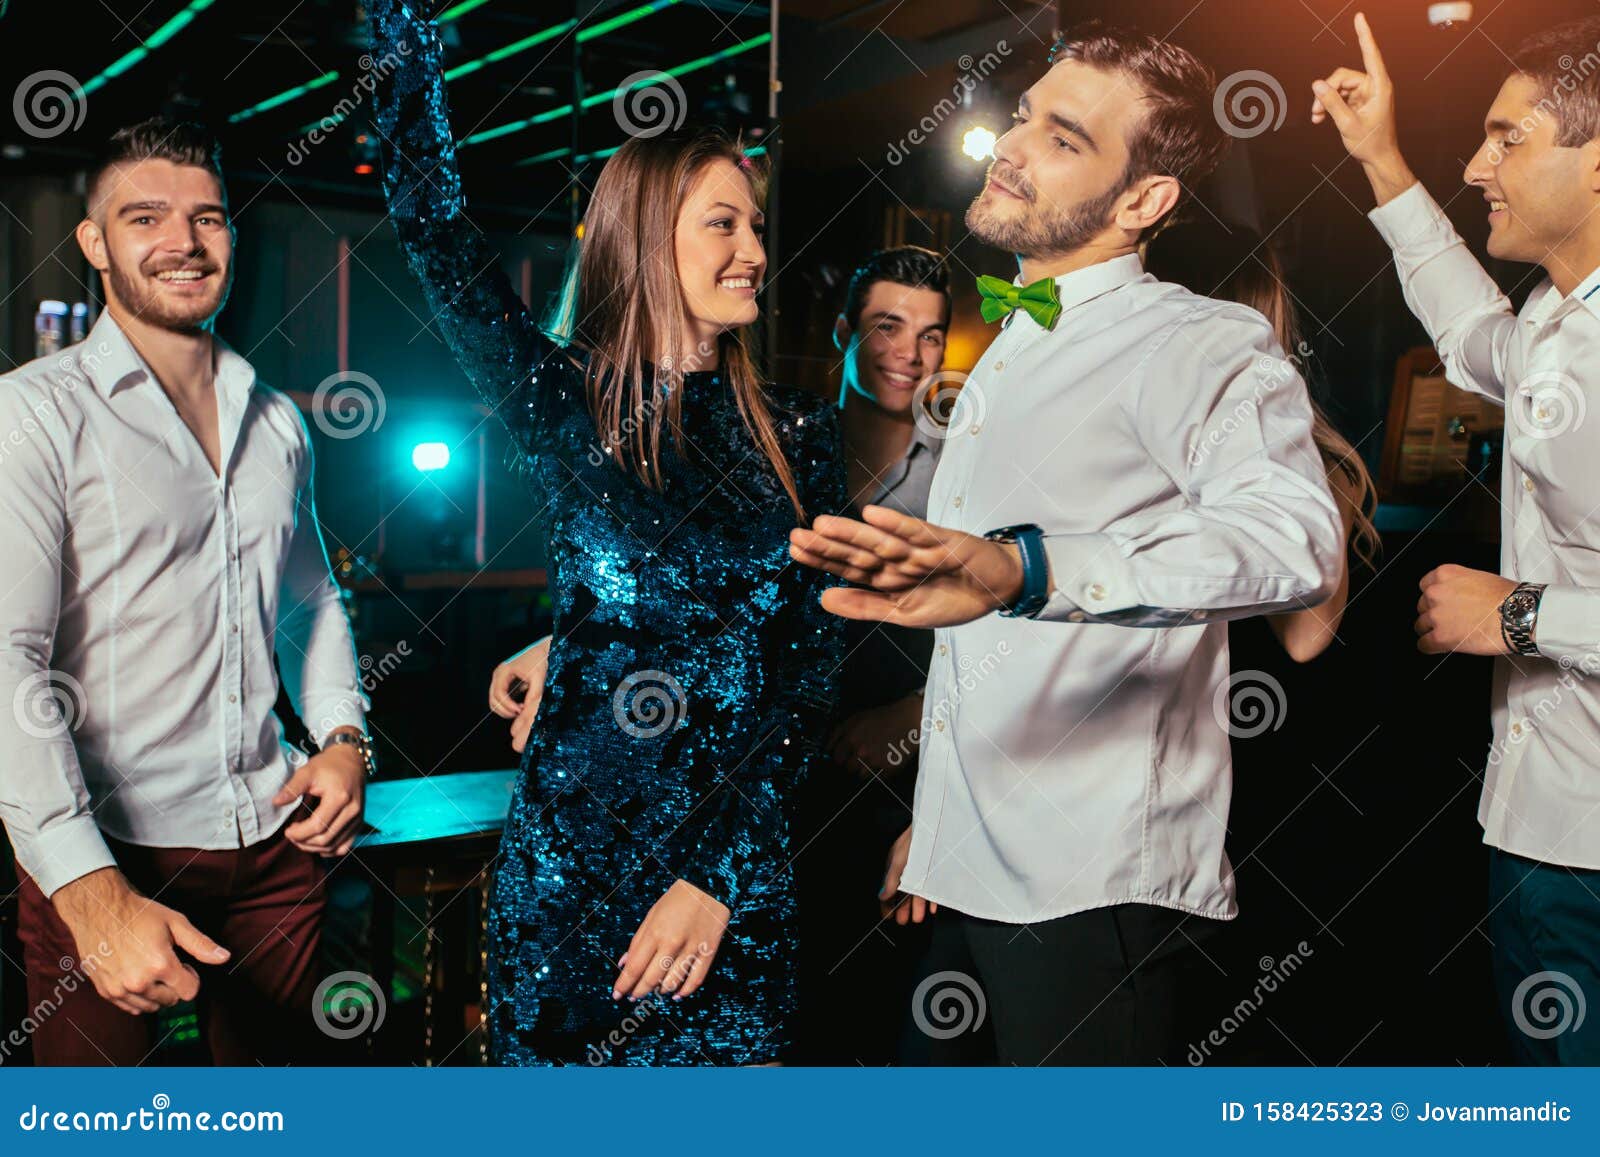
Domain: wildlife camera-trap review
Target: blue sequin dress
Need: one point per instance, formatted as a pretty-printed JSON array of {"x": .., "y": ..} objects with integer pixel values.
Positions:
[{"x": 692, "y": 671}]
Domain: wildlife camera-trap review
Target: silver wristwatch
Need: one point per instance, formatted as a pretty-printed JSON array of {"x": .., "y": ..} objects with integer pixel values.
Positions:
[
  {"x": 363, "y": 744},
  {"x": 1519, "y": 615}
]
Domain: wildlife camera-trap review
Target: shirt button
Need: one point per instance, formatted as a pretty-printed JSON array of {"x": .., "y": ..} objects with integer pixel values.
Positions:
[
  {"x": 1076, "y": 616},
  {"x": 938, "y": 724},
  {"x": 956, "y": 502},
  {"x": 234, "y": 628},
  {"x": 233, "y": 699},
  {"x": 943, "y": 650},
  {"x": 233, "y": 556},
  {"x": 1097, "y": 592},
  {"x": 1516, "y": 729},
  {"x": 1527, "y": 484},
  {"x": 976, "y": 426},
  {"x": 998, "y": 366}
]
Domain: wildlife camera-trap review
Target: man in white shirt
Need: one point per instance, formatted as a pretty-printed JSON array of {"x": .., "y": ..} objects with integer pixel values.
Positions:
[
  {"x": 158, "y": 542},
  {"x": 1126, "y": 454},
  {"x": 1539, "y": 170}
]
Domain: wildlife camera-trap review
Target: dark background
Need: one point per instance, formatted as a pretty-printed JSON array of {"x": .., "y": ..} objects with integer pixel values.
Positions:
[{"x": 1353, "y": 827}]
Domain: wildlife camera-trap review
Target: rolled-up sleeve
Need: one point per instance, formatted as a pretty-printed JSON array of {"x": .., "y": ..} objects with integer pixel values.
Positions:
[
  {"x": 315, "y": 648},
  {"x": 43, "y": 799},
  {"x": 1253, "y": 528}
]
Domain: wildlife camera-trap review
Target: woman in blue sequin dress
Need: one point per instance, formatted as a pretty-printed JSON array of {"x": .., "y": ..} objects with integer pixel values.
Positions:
[{"x": 648, "y": 844}]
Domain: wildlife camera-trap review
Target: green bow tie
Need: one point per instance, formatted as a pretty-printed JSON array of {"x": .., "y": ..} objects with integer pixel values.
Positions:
[{"x": 1039, "y": 300}]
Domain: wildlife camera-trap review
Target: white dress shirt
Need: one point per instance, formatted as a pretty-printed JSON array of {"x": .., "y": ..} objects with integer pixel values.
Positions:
[
  {"x": 1541, "y": 790},
  {"x": 146, "y": 596},
  {"x": 1163, "y": 443}
]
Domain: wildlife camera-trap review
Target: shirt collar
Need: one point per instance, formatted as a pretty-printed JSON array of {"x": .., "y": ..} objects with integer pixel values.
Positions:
[
  {"x": 109, "y": 360},
  {"x": 1588, "y": 292},
  {"x": 1081, "y": 285}
]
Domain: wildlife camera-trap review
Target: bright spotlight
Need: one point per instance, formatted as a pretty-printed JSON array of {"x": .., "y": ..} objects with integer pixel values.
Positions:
[
  {"x": 978, "y": 143},
  {"x": 428, "y": 456}
]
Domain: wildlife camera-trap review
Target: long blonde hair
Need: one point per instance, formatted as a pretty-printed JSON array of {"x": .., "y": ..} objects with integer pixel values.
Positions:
[
  {"x": 1233, "y": 263},
  {"x": 622, "y": 303}
]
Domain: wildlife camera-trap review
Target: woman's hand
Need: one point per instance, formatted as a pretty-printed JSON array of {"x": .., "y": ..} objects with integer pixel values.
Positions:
[
  {"x": 891, "y": 900},
  {"x": 675, "y": 945},
  {"x": 527, "y": 666},
  {"x": 879, "y": 739}
]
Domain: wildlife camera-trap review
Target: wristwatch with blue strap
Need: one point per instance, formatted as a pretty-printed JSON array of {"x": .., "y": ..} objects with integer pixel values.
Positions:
[{"x": 1029, "y": 541}]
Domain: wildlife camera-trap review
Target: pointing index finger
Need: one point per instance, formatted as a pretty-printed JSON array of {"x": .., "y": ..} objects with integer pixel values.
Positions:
[{"x": 1371, "y": 58}]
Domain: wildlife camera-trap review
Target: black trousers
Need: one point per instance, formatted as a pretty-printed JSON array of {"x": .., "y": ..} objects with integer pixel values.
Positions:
[{"x": 1102, "y": 987}]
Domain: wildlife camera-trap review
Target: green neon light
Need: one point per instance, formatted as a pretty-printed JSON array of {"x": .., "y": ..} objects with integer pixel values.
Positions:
[
  {"x": 459, "y": 10},
  {"x": 155, "y": 40},
  {"x": 273, "y": 102},
  {"x": 601, "y": 97}
]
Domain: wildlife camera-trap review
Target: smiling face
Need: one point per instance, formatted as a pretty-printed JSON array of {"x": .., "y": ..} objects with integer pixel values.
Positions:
[
  {"x": 897, "y": 342},
  {"x": 1539, "y": 194},
  {"x": 1059, "y": 173},
  {"x": 720, "y": 259},
  {"x": 159, "y": 233}
]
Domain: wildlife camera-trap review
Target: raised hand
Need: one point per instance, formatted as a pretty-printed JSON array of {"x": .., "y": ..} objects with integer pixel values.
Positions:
[{"x": 1361, "y": 106}]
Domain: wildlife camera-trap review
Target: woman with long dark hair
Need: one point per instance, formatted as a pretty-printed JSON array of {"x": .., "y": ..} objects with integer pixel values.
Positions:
[{"x": 646, "y": 853}]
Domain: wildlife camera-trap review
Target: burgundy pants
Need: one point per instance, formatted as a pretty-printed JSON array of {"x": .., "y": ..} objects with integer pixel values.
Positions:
[{"x": 264, "y": 904}]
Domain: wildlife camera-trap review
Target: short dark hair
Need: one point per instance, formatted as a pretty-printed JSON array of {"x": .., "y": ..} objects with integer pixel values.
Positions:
[
  {"x": 910, "y": 265},
  {"x": 1179, "y": 135},
  {"x": 1564, "y": 62},
  {"x": 158, "y": 139}
]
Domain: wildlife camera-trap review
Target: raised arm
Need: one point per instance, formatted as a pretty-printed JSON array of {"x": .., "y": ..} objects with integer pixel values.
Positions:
[
  {"x": 1466, "y": 315},
  {"x": 487, "y": 326}
]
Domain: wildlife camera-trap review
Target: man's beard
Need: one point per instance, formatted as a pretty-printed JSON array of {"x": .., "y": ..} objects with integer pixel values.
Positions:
[
  {"x": 1044, "y": 230},
  {"x": 151, "y": 306}
]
